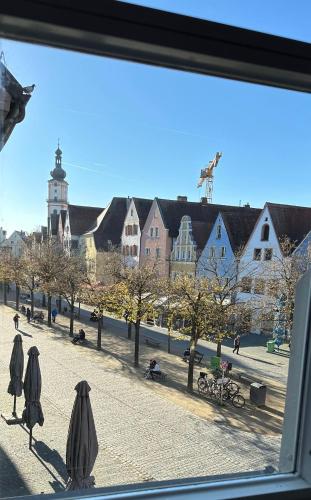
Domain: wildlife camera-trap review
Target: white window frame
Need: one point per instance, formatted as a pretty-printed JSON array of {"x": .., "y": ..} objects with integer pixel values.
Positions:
[{"x": 153, "y": 37}]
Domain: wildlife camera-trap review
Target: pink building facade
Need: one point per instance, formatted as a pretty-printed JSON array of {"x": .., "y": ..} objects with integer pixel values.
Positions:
[{"x": 156, "y": 243}]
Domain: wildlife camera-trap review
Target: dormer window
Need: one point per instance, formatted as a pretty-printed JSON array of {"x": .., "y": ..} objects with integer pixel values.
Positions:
[{"x": 265, "y": 230}]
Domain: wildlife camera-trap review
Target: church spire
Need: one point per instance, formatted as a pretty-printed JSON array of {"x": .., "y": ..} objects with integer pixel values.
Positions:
[{"x": 58, "y": 173}]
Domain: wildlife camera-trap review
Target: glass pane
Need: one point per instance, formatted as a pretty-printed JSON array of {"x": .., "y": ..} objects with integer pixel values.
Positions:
[
  {"x": 258, "y": 15},
  {"x": 103, "y": 225}
]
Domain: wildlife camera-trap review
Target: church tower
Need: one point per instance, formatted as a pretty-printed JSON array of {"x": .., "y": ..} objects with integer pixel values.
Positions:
[{"x": 57, "y": 187}]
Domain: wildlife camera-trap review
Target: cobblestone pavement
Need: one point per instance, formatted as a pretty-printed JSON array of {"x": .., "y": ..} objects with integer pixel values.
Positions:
[{"x": 142, "y": 436}]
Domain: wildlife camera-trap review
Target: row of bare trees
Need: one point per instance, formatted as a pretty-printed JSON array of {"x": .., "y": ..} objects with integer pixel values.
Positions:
[{"x": 207, "y": 307}]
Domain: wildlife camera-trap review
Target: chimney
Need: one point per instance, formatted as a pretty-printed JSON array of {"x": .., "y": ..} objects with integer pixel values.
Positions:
[
  {"x": 182, "y": 198},
  {"x": 204, "y": 200},
  {"x": 247, "y": 205}
]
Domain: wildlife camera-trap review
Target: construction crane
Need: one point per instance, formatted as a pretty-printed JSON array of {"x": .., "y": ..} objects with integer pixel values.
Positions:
[{"x": 207, "y": 176}]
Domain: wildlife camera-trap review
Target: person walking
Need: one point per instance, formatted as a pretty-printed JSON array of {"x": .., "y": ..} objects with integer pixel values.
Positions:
[
  {"x": 28, "y": 315},
  {"x": 54, "y": 314},
  {"x": 16, "y": 319},
  {"x": 236, "y": 344}
]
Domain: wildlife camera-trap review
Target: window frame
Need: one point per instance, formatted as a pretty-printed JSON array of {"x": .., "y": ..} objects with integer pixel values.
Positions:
[{"x": 140, "y": 34}]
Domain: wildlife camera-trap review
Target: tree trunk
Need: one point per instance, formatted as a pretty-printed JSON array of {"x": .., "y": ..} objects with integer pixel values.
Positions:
[
  {"x": 169, "y": 340},
  {"x": 129, "y": 330},
  {"x": 193, "y": 344},
  {"x": 99, "y": 332},
  {"x": 136, "y": 356},
  {"x": 72, "y": 314},
  {"x": 32, "y": 297},
  {"x": 218, "y": 353},
  {"x": 17, "y": 294},
  {"x": 59, "y": 304},
  {"x": 43, "y": 300},
  {"x": 5, "y": 294},
  {"x": 49, "y": 309}
]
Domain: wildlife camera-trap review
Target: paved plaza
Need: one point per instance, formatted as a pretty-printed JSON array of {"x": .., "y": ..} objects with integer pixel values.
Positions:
[{"x": 143, "y": 433}]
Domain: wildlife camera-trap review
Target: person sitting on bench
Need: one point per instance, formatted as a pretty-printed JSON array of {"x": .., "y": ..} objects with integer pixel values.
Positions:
[
  {"x": 187, "y": 354},
  {"x": 78, "y": 338},
  {"x": 155, "y": 370}
]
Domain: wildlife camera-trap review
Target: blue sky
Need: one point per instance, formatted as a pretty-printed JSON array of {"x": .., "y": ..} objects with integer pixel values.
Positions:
[{"x": 132, "y": 130}]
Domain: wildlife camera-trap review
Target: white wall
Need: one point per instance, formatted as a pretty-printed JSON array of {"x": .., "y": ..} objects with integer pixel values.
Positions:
[{"x": 130, "y": 240}]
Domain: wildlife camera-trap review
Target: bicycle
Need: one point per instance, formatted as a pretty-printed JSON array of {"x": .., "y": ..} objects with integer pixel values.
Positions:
[{"x": 230, "y": 390}]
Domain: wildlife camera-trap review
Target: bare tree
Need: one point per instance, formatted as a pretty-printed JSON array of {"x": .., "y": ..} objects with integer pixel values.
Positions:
[
  {"x": 135, "y": 294},
  {"x": 281, "y": 276},
  {"x": 51, "y": 264},
  {"x": 71, "y": 282}
]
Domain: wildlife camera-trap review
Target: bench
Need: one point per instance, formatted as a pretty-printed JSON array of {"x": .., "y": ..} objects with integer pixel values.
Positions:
[
  {"x": 198, "y": 356},
  {"x": 248, "y": 379},
  {"x": 151, "y": 342}
]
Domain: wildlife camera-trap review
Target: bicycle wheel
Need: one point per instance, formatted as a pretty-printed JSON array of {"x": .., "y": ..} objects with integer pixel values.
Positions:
[
  {"x": 202, "y": 386},
  {"x": 238, "y": 401},
  {"x": 232, "y": 388}
]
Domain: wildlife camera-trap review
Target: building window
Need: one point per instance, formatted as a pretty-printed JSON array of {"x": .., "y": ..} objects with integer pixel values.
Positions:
[
  {"x": 147, "y": 251},
  {"x": 265, "y": 232},
  {"x": 55, "y": 198},
  {"x": 132, "y": 211},
  {"x": 134, "y": 250},
  {"x": 246, "y": 285},
  {"x": 156, "y": 232},
  {"x": 177, "y": 254},
  {"x": 54, "y": 211},
  {"x": 218, "y": 232},
  {"x": 189, "y": 255},
  {"x": 268, "y": 254},
  {"x": 129, "y": 230},
  {"x": 157, "y": 252},
  {"x": 212, "y": 252},
  {"x": 222, "y": 252},
  {"x": 183, "y": 255},
  {"x": 135, "y": 229},
  {"x": 151, "y": 232},
  {"x": 127, "y": 250},
  {"x": 257, "y": 254}
]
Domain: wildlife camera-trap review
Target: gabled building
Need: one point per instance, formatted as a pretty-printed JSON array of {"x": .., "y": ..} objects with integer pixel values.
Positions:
[
  {"x": 263, "y": 251},
  {"x": 105, "y": 235},
  {"x": 176, "y": 231},
  {"x": 15, "y": 244},
  {"x": 134, "y": 223},
  {"x": 228, "y": 236}
]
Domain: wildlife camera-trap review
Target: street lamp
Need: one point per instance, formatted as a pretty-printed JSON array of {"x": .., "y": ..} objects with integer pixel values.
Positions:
[{"x": 13, "y": 100}]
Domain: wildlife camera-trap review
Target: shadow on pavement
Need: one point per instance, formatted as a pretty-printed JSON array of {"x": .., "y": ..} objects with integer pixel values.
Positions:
[
  {"x": 11, "y": 482},
  {"x": 24, "y": 333}
]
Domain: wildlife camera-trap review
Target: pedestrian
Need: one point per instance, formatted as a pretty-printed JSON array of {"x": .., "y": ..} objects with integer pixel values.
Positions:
[
  {"x": 15, "y": 319},
  {"x": 54, "y": 314},
  {"x": 28, "y": 315},
  {"x": 236, "y": 344}
]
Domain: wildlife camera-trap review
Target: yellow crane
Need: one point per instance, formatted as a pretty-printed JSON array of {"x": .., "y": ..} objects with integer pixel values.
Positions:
[{"x": 207, "y": 176}]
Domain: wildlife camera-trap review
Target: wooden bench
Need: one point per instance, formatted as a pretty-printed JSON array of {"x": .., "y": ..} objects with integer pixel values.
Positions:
[
  {"x": 198, "y": 356},
  {"x": 151, "y": 342}
]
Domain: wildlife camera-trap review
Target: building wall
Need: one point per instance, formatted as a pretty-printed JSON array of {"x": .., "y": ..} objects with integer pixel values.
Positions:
[
  {"x": 15, "y": 244},
  {"x": 184, "y": 252},
  {"x": 130, "y": 241},
  {"x": 217, "y": 241},
  {"x": 156, "y": 244},
  {"x": 88, "y": 251},
  {"x": 254, "y": 271},
  {"x": 57, "y": 196}
]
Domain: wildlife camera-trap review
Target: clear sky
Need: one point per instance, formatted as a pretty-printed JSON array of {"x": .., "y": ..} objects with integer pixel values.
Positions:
[{"x": 132, "y": 130}]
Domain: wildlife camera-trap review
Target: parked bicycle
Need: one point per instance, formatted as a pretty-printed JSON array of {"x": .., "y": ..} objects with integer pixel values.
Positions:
[{"x": 221, "y": 389}]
